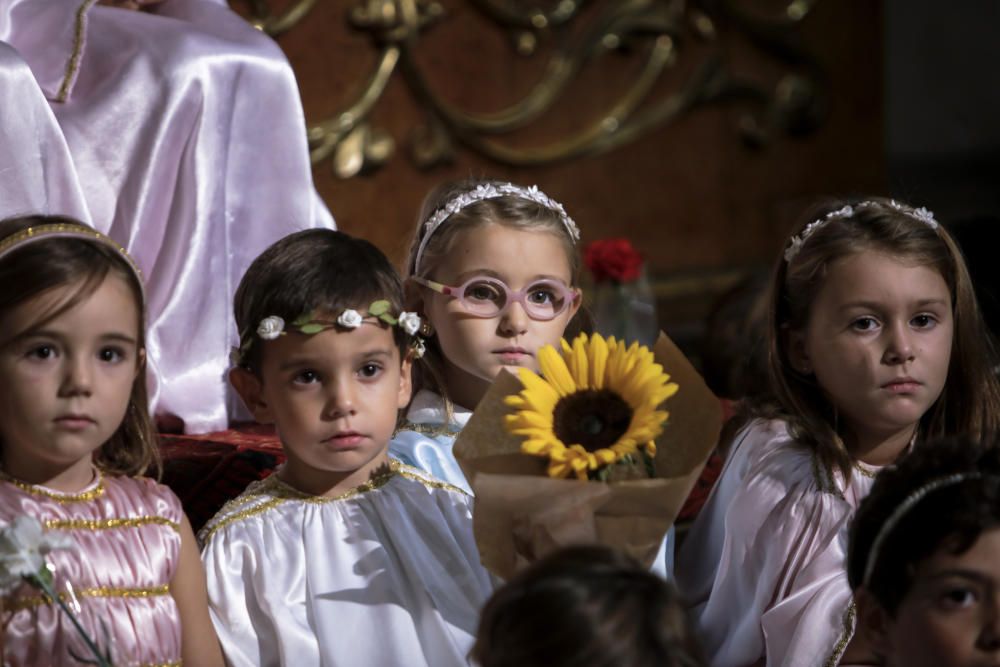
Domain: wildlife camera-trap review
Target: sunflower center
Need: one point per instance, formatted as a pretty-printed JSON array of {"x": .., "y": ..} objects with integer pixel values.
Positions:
[{"x": 593, "y": 418}]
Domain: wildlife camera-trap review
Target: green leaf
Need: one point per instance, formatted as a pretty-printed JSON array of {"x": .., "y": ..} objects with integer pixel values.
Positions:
[
  {"x": 602, "y": 474},
  {"x": 388, "y": 319},
  {"x": 311, "y": 329},
  {"x": 379, "y": 308},
  {"x": 302, "y": 320}
]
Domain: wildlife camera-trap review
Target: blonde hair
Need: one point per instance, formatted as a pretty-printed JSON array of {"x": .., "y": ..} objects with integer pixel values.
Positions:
[
  {"x": 507, "y": 211},
  {"x": 970, "y": 400}
]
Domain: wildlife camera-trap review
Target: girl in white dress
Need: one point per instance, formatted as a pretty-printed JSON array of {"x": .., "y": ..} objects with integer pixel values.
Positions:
[
  {"x": 343, "y": 556},
  {"x": 924, "y": 558},
  {"x": 493, "y": 271},
  {"x": 876, "y": 343}
]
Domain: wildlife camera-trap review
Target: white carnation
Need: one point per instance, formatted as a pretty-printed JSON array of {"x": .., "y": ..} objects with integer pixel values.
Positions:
[
  {"x": 409, "y": 322},
  {"x": 350, "y": 319},
  {"x": 270, "y": 327}
]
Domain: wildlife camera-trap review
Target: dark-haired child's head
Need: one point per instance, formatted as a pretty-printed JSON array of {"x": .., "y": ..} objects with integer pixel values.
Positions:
[
  {"x": 924, "y": 557},
  {"x": 585, "y": 605},
  {"x": 72, "y": 295},
  {"x": 324, "y": 354}
]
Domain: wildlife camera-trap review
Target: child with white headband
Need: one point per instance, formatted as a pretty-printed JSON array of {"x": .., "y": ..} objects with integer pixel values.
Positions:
[
  {"x": 493, "y": 270},
  {"x": 876, "y": 344},
  {"x": 343, "y": 556},
  {"x": 924, "y": 558}
]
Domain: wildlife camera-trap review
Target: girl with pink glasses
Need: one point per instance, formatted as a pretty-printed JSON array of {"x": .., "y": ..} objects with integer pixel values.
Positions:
[{"x": 492, "y": 272}]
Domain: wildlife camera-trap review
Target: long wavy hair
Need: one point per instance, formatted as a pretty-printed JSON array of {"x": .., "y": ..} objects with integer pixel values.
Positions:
[{"x": 970, "y": 401}]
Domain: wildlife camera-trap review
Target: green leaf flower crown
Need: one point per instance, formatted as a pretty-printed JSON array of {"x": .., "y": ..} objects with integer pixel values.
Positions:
[{"x": 272, "y": 327}]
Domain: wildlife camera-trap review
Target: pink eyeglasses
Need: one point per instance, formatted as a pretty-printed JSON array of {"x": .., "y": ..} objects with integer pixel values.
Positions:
[{"x": 483, "y": 296}]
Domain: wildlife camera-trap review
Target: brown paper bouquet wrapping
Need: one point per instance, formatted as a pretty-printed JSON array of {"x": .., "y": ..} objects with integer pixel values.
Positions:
[{"x": 521, "y": 513}]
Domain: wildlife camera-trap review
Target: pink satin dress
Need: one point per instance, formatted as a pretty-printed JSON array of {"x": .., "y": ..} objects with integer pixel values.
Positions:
[{"x": 126, "y": 544}]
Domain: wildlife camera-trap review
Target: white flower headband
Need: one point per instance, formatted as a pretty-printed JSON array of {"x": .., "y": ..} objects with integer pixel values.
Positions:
[
  {"x": 272, "y": 327},
  {"x": 795, "y": 245},
  {"x": 901, "y": 510},
  {"x": 491, "y": 191}
]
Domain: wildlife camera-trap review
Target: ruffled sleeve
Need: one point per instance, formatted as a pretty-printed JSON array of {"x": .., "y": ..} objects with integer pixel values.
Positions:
[{"x": 763, "y": 566}]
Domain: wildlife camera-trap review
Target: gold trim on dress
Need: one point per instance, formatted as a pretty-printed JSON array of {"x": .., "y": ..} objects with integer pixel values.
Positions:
[
  {"x": 845, "y": 636},
  {"x": 73, "y": 64},
  {"x": 427, "y": 430},
  {"x": 33, "y": 601},
  {"x": 65, "y": 498},
  {"x": 208, "y": 531},
  {"x": 824, "y": 478},
  {"x": 110, "y": 524},
  {"x": 281, "y": 492}
]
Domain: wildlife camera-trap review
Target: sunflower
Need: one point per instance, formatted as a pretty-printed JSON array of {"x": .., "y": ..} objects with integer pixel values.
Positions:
[{"x": 594, "y": 405}]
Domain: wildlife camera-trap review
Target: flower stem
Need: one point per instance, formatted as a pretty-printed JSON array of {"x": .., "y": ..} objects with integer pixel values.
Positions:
[{"x": 46, "y": 587}]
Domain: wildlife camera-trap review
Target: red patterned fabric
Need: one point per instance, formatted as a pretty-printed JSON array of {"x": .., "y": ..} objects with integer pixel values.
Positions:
[{"x": 207, "y": 470}]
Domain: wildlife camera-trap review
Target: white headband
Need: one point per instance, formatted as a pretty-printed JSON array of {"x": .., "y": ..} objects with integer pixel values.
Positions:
[
  {"x": 901, "y": 510},
  {"x": 490, "y": 191},
  {"x": 795, "y": 245}
]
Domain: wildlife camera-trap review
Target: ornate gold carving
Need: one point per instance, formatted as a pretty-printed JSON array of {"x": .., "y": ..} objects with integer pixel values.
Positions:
[{"x": 656, "y": 32}]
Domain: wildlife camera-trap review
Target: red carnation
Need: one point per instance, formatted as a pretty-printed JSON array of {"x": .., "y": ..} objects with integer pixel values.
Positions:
[{"x": 613, "y": 259}]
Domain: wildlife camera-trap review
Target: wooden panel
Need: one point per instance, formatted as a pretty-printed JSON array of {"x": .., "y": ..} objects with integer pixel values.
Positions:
[{"x": 691, "y": 191}]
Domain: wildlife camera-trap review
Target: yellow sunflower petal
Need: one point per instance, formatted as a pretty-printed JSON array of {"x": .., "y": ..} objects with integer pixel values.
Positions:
[
  {"x": 598, "y": 361},
  {"x": 537, "y": 393},
  {"x": 530, "y": 419},
  {"x": 577, "y": 362},
  {"x": 554, "y": 370},
  {"x": 605, "y": 456},
  {"x": 629, "y": 371}
]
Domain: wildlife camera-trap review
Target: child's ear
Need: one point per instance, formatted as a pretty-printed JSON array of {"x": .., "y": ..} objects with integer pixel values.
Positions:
[
  {"x": 248, "y": 386},
  {"x": 873, "y": 622},
  {"x": 795, "y": 343},
  {"x": 405, "y": 381}
]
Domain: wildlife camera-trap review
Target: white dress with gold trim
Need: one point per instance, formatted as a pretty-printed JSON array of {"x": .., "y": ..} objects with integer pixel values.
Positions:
[{"x": 386, "y": 574}]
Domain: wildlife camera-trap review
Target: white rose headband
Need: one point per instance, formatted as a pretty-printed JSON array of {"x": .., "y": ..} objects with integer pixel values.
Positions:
[
  {"x": 796, "y": 242},
  {"x": 490, "y": 191},
  {"x": 69, "y": 231},
  {"x": 901, "y": 510},
  {"x": 272, "y": 327}
]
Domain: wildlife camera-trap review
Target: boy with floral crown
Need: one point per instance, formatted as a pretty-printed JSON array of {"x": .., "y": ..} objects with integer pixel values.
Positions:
[{"x": 343, "y": 556}]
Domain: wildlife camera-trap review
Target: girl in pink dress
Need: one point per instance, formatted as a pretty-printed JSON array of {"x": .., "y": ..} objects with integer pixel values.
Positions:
[
  {"x": 75, "y": 436},
  {"x": 876, "y": 344}
]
